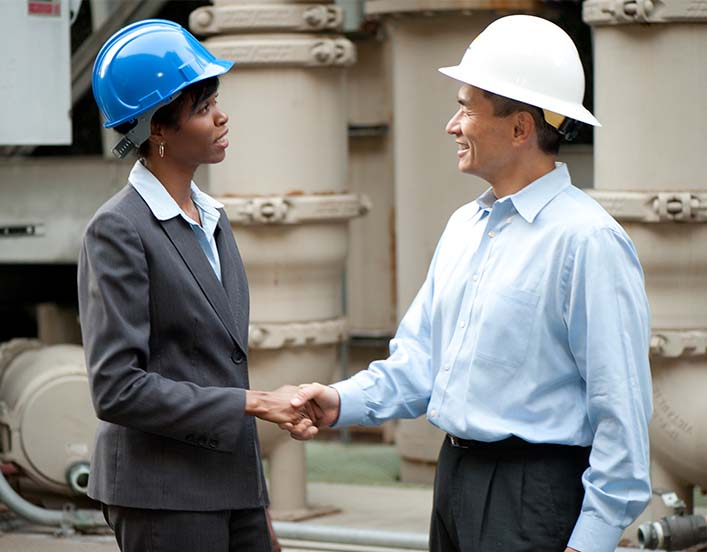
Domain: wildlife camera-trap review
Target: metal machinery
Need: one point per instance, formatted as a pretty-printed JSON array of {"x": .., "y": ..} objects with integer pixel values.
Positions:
[
  {"x": 292, "y": 186},
  {"x": 47, "y": 421},
  {"x": 284, "y": 188},
  {"x": 650, "y": 76}
]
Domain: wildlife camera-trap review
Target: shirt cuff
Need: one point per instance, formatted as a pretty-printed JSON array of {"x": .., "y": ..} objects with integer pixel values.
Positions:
[
  {"x": 594, "y": 535},
  {"x": 352, "y": 404}
]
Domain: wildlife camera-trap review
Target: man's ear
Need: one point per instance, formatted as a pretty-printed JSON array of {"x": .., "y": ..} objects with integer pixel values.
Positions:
[{"x": 523, "y": 126}]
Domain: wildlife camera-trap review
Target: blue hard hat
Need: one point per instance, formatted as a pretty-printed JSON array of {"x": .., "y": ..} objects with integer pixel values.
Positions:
[{"x": 144, "y": 65}]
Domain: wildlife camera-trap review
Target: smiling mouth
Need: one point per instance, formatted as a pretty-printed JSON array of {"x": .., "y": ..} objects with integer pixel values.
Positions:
[{"x": 222, "y": 137}]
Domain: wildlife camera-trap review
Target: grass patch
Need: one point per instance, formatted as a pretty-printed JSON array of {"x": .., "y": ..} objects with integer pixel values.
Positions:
[{"x": 362, "y": 464}]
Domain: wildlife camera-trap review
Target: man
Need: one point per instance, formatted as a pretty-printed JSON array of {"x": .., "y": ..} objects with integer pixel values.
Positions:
[{"x": 528, "y": 341}]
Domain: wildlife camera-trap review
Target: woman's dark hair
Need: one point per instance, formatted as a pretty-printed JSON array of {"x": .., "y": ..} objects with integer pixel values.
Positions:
[
  {"x": 168, "y": 115},
  {"x": 548, "y": 137}
]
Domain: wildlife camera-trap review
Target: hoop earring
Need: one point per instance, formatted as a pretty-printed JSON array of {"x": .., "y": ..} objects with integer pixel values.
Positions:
[{"x": 160, "y": 150}]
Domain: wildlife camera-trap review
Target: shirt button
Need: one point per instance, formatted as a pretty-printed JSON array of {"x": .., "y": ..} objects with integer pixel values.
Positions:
[
  {"x": 508, "y": 220},
  {"x": 492, "y": 234},
  {"x": 446, "y": 366},
  {"x": 462, "y": 324},
  {"x": 433, "y": 413},
  {"x": 475, "y": 278}
]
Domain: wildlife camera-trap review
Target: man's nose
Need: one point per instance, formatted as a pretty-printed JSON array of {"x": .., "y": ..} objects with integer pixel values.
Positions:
[{"x": 453, "y": 125}]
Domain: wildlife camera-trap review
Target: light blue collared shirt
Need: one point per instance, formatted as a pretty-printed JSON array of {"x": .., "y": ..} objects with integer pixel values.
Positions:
[
  {"x": 532, "y": 321},
  {"x": 164, "y": 207}
]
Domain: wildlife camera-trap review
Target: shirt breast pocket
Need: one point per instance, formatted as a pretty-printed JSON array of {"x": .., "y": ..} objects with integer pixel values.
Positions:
[{"x": 506, "y": 326}]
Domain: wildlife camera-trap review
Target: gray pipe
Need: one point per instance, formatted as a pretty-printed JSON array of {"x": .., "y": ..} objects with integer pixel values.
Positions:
[
  {"x": 346, "y": 535},
  {"x": 87, "y": 519},
  {"x": 66, "y": 518}
]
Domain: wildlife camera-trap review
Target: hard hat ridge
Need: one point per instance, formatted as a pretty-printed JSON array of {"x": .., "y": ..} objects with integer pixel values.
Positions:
[
  {"x": 528, "y": 59},
  {"x": 143, "y": 67}
]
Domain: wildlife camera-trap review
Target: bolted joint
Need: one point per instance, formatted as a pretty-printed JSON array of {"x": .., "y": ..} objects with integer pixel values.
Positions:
[
  {"x": 323, "y": 17},
  {"x": 680, "y": 207},
  {"x": 616, "y": 12}
]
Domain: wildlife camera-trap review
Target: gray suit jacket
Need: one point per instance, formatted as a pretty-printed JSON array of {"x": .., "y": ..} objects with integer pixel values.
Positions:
[{"x": 166, "y": 350}]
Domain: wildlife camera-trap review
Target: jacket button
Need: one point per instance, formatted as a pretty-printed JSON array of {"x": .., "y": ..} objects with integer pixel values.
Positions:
[
  {"x": 190, "y": 437},
  {"x": 213, "y": 443},
  {"x": 236, "y": 356},
  {"x": 201, "y": 442}
]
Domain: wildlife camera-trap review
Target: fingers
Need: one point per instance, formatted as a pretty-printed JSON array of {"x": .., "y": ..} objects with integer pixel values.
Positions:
[
  {"x": 301, "y": 431},
  {"x": 306, "y": 392}
]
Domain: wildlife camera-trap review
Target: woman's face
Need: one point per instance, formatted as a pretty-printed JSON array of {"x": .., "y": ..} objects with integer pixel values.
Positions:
[{"x": 200, "y": 136}]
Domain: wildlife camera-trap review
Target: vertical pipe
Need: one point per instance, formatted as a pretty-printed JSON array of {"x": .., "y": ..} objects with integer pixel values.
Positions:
[
  {"x": 650, "y": 78},
  {"x": 284, "y": 187}
]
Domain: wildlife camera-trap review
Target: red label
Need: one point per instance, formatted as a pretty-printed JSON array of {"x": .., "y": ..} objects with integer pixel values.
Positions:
[{"x": 44, "y": 7}]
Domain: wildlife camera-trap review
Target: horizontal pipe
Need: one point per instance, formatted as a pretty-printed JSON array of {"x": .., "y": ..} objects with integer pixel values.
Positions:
[
  {"x": 347, "y": 535},
  {"x": 67, "y": 518}
]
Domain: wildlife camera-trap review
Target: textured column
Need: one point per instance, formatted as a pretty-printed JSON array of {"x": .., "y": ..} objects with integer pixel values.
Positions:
[
  {"x": 650, "y": 77},
  {"x": 425, "y": 35},
  {"x": 284, "y": 187}
]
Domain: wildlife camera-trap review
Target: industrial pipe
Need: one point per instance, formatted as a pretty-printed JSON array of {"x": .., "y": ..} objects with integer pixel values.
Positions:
[
  {"x": 77, "y": 477},
  {"x": 67, "y": 518},
  {"x": 673, "y": 533},
  {"x": 346, "y": 535}
]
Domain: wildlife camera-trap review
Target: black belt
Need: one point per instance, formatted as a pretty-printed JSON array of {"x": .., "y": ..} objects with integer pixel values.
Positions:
[{"x": 512, "y": 442}]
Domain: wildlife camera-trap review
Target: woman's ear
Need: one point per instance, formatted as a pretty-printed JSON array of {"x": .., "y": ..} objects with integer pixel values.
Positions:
[{"x": 156, "y": 134}]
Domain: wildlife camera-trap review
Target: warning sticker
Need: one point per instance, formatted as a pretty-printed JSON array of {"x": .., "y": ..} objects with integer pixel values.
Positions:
[{"x": 44, "y": 7}]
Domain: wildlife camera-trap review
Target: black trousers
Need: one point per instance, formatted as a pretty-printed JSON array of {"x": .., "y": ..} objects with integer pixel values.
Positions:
[
  {"x": 510, "y": 496},
  {"x": 139, "y": 530}
]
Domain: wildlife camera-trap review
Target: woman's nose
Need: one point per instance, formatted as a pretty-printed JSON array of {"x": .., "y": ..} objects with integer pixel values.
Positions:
[{"x": 221, "y": 117}]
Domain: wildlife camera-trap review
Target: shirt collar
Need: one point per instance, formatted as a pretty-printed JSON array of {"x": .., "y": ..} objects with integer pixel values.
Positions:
[
  {"x": 531, "y": 199},
  {"x": 160, "y": 202}
]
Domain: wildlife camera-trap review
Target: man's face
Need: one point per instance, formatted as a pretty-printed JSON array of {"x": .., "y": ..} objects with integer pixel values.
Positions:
[{"x": 484, "y": 139}]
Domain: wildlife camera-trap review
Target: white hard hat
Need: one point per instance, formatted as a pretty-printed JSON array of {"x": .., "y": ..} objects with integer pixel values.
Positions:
[{"x": 528, "y": 59}]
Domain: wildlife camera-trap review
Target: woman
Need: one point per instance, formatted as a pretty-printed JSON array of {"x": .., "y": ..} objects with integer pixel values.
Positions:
[{"x": 164, "y": 313}]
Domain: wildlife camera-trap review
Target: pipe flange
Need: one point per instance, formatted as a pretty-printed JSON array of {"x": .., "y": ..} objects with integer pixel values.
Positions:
[
  {"x": 294, "y": 209},
  {"x": 77, "y": 475},
  {"x": 297, "y": 334},
  {"x": 675, "y": 343},
  {"x": 653, "y": 207},
  {"x": 302, "y": 51},
  {"x": 10, "y": 350},
  {"x": 433, "y": 7},
  {"x": 213, "y": 20},
  {"x": 618, "y": 12}
]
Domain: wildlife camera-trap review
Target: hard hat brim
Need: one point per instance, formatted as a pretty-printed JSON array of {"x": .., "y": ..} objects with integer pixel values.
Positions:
[{"x": 568, "y": 109}]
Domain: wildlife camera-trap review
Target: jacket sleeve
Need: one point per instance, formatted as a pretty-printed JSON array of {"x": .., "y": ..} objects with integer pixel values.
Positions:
[
  {"x": 114, "y": 294},
  {"x": 608, "y": 321}
]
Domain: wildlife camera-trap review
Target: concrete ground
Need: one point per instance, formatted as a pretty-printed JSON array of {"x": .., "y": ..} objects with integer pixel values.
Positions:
[
  {"x": 359, "y": 482},
  {"x": 361, "y": 506}
]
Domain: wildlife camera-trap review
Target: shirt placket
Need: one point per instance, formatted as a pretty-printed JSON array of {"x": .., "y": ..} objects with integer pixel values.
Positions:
[{"x": 495, "y": 221}]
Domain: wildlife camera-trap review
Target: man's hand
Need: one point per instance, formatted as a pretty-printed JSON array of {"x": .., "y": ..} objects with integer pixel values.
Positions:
[
  {"x": 568, "y": 549},
  {"x": 277, "y": 407},
  {"x": 324, "y": 402}
]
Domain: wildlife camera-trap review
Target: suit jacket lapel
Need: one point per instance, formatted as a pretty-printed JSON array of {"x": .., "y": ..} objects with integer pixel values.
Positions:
[
  {"x": 189, "y": 249},
  {"x": 233, "y": 276}
]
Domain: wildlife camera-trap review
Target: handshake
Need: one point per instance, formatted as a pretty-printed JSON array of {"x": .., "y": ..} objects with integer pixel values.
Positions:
[{"x": 301, "y": 410}]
